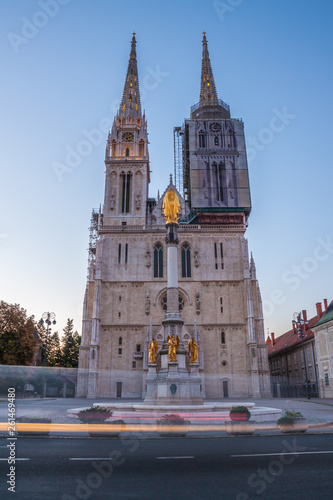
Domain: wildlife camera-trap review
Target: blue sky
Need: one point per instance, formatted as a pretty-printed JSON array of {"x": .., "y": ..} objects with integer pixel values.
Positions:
[{"x": 64, "y": 65}]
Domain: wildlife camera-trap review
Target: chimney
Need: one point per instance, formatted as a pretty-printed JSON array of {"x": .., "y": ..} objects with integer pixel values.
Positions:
[
  {"x": 325, "y": 304},
  {"x": 305, "y": 317},
  {"x": 273, "y": 338},
  {"x": 294, "y": 328},
  {"x": 319, "y": 310}
]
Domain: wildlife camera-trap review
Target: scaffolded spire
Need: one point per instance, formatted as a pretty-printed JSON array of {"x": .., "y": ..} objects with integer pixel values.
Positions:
[
  {"x": 131, "y": 103},
  {"x": 207, "y": 91}
]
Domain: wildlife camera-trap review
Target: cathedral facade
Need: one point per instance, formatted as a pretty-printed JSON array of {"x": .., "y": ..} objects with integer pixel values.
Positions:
[{"x": 126, "y": 293}]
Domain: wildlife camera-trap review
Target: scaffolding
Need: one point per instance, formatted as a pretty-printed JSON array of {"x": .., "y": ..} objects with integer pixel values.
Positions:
[
  {"x": 178, "y": 159},
  {"x": 93, "y": 234}
]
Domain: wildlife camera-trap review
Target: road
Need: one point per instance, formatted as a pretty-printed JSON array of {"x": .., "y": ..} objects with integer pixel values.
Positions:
[{"x": 267, "y": 467}]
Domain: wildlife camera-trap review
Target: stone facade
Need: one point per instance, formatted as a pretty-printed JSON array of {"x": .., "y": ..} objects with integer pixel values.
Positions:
[
  {"x": 126, "y": 293},
  {"x": 324, "y": 344}
]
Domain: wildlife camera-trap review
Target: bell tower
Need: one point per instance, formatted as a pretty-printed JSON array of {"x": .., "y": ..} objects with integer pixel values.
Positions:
[{"x": 126, "y": 157}]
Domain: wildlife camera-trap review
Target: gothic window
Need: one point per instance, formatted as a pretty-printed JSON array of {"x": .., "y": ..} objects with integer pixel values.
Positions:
[
  {"x": 126, "y": 253},
  {"x": 158, "y": 261},
  {"x": 119, "y": 253},
  {"x": 221, "y": 304},
  {"x": 164, "y": 302},
  {"x": 141, "y": 148},
  {"x": 126, "y": 187},
  {"x": 120, "y": 341},
  {"x": 222, "y": 337},
  {"x": 186, "y": 261},
  {"x": 221, "y": 251},
  {"x": 127, "y": 151},
  {"x": 215, "y": 254},
  {"x": 202, "y": 139},
  {"x": 218, "y": 180},
  {"x": 113, "y": 148}
]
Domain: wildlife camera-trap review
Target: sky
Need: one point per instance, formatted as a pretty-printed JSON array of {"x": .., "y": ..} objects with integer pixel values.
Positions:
[{"x": 63, "y": 69}]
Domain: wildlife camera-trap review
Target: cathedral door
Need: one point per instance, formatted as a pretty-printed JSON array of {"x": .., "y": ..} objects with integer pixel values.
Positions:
[
  {"x": 119, "y": 388},
  {"x": 225, "y": 389}
]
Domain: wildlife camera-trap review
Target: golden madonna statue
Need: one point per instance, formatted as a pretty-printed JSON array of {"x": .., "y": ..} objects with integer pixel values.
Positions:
[
  {"x": 152, "y": 350},
  {"x": 193, "y": 350},
  {"x": 173, "y": 344},
  {"x": 171, "y": 206}
]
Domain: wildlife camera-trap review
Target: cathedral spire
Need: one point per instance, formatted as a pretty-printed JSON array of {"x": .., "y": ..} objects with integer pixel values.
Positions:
[
  {"x": 131, "y": 103},
  {"x": 207, "y": 90}
]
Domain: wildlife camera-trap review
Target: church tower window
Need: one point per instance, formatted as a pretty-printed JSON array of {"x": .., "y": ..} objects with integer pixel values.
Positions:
[
  {"x": 125, "y": 204},
  {"x": 127, "y": 151},
  {"x": 158, "y": 261},
  {"x": 141, "y": 148},
  {"x": 186, "y": 261},
  {"x": 202, "y": 139},
  {"x": 222, "y": 337}
]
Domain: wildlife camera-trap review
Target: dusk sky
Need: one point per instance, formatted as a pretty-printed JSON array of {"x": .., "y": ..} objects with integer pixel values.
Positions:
[{"x": 64, "y": 64}]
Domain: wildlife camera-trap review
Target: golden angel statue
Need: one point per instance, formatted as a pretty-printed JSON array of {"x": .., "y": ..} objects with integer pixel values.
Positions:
[
  {"x": 173, "y": 344},
  {"x": 193, "y": 350},
  {"x": 171, "y": 206},
  {"x": 152, "y": 350}
]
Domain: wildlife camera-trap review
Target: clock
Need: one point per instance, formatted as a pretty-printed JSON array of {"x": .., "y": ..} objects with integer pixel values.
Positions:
[
  {"x": 127, "y": 137},
  {"x": 215, "y": 127}
]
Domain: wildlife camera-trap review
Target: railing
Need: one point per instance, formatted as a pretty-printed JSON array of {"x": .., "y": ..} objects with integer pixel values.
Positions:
[
  {"x": 138, "y": 355},
  {"x": 181, "y": 227},
  {"x": 215, "y": 102}
]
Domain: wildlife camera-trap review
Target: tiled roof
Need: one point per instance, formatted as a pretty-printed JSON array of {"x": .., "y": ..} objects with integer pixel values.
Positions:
[
  {"x": 290, "y": 339},
  {"x": 327, "y": 316}
]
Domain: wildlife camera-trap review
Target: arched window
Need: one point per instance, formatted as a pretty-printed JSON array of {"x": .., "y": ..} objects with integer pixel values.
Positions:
[
  {"x": 120, "y": 342},
  {"x": 158, "y": 261},
  {"x": 222, "y": 337},
  {"x": 186, "y": 261},
  {"x": 126, "y": 186},
  {"x": 113, "y": 148},
  {"x": 141, "y": 148},
  {"x": 127, "y": 151},
  {"x": 202, "y": 139}
]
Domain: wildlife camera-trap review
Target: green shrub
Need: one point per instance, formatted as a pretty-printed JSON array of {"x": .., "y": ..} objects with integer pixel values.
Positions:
[
  {"x": 172, "y": 419},
  {"x": 289, "y": 417},
  {"x": 239, "y": 413},
  {"x": 95, "y": 414}
]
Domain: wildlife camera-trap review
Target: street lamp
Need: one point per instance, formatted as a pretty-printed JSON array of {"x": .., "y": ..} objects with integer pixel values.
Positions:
[
  {"x": 299, "y": 323},
  {"x": 49, "y": 319}
]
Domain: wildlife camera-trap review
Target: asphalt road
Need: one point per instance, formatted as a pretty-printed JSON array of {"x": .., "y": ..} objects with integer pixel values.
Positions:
[{"x": 267, "y": 467}]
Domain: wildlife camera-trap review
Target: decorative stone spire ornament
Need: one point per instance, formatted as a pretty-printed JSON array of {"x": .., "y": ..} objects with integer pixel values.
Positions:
[
  {"x": 131, "y": 103},
  {"x": 207, "y": 91}
]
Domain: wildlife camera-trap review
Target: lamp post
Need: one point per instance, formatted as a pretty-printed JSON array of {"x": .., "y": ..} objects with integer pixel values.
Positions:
[
  {"x": 299, "y": 322},
  {"x": 49, "y": 319}
]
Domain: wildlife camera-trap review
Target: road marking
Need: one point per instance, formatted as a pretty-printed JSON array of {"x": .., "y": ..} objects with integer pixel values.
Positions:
[
  {"x": 14, "y": 459},
  {"x": 171, "y": 458},
  {"x": 281, "y": 454},
  {"x": 98, "y": 458}
]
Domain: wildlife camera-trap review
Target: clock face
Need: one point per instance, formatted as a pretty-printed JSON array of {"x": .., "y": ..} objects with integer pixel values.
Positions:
[
  {"x": 215, "y": 127},
  {"x": 127, "y": 137}
]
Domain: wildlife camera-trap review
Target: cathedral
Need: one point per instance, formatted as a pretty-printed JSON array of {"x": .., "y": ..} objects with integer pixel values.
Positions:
[{"x": 219, "y": 298}]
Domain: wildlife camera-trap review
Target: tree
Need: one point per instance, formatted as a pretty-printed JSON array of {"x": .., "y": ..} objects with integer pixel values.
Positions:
[
  {"x": 17, "y": 343},
  {"x": 70, "y": 346},
  {"x": 54, "y": 350}
]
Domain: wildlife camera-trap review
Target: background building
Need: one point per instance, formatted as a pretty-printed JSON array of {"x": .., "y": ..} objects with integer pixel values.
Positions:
[
  {"x": 219, "y": 296},
  {"x": 324, "y": 342},
  {"x": 286, "y": 359}
]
